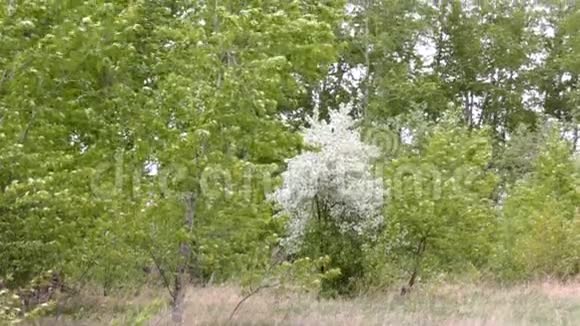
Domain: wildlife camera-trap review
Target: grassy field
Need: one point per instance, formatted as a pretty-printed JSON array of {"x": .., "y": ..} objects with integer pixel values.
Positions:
[{"x": 542, "y": 303}]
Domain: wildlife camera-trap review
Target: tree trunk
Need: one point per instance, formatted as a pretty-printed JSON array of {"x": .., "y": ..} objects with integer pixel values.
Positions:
[
  {"x": 575, "y": 141},
  {"x": 181, "y": 276},
  {"x": 367, "y": 53},
  {"x": 321, "y": 225},
  {"x": 418, "y": 256}
]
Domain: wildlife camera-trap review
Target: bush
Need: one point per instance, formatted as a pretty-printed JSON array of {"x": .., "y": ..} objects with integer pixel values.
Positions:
[{"x": 541, "y": 221}]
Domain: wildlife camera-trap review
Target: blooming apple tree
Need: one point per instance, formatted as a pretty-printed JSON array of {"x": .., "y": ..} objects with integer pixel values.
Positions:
[{"x": 333, "y": 183}]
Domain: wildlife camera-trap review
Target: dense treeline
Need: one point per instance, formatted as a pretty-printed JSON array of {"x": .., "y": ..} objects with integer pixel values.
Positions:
[{"x": 172, "y": 141}]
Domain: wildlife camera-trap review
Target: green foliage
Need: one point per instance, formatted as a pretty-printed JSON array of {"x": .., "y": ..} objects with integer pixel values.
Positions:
[
  {"x": 344, "y": 254},
  {"x": 97, "y": 92},
  {"x": 439, "y": 215},
  {"x": 540, "y": 217},
  {"x": 516, "y": 159},
  {"x": 302, "y": 275},
  {"x": 9, "y": 307},
  {"x": 29, "y": 302},
  {"x": 113, "y": 112}
]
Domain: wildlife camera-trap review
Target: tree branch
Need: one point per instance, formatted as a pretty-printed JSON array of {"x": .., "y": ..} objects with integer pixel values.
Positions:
[
  {"x": 164, "y": 277},
  {"x": 261, "y": 287}
]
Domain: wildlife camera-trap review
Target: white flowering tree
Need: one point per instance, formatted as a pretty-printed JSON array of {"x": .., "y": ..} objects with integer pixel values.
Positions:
[{"x": 332, "y": 184}]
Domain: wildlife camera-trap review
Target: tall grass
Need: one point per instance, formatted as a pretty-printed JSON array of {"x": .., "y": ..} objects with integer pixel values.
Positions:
[
  {"x": 543, "y": 303},
  {"x": 537, "y": 303}
]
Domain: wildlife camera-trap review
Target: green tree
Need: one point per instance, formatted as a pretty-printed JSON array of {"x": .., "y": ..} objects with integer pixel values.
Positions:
[
  {"x": 540, "y": 217},
  {"x": 95, "y": 95},
  {"x": 439, "y": 211}
]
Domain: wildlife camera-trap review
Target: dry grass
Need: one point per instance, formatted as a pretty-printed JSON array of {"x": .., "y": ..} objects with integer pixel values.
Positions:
[
  {"x": 91, "y": 308},
  {"x": 541, "y": 303},
  {"x": 547, "y": 303}
]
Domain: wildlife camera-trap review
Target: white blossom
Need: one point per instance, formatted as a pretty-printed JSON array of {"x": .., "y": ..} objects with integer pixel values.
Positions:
[{"x": 337, "y": 175}]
